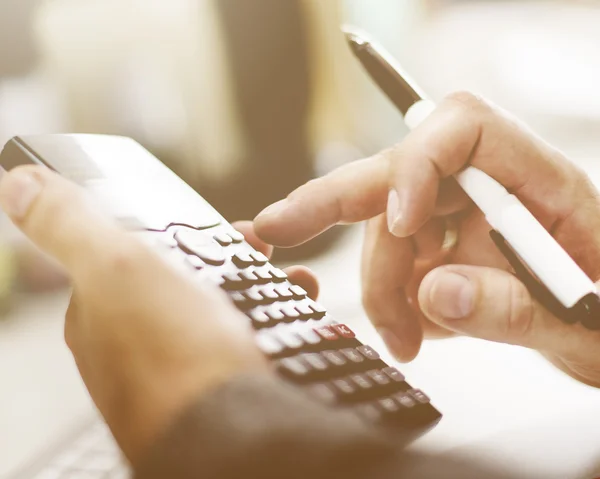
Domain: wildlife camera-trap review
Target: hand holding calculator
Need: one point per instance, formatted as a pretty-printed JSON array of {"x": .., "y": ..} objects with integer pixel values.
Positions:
[{"x": 305, "y": 345}]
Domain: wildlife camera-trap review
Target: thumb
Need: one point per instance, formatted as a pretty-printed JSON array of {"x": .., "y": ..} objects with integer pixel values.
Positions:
[
  {"x": 494, "y": 305},
  {"x": 57, "y": 216}
]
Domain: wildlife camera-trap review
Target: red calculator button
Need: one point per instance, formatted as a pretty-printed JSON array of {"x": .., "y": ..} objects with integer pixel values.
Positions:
[
  {"x": 327, "y": 333},
  {"x": 344, "y": 331}
]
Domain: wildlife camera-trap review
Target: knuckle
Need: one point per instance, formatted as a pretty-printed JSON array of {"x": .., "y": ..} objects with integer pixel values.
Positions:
[
  {"x": 468, "y": 100},
  {"x": 521, "y": 312},
  {"x": 391, "y": 159},
  {"x": 471, "y": 107}
]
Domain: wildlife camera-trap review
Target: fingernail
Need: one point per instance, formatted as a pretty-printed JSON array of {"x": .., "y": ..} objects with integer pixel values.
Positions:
[
  {"x": 451, "y": 296},
  {"x": 17, "y": 192},
  {"x": 396, "y": 213},
  {"x": 275, "y": 208},
  {"x": 392, "y": 342}
]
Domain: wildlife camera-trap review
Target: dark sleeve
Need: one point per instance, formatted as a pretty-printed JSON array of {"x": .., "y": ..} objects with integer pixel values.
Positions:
[{"x": 259, "y": 427}]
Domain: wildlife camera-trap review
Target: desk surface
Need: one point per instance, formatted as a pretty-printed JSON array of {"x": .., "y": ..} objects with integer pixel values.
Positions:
[{"x": 502, "y": 404}]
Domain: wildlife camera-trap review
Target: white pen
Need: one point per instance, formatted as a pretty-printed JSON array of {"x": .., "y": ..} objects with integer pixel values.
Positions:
[{"x": 529, "y": 241}]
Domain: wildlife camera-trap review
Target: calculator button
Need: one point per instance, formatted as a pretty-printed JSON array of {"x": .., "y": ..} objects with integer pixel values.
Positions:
[
  {"x": 394, "y": 374},
  {"x": 405, "y": 400},
  {"x": 362, "y": 381},
  {"x": 326, "y": 333},
  {"x": 310, "y": 337},
  {"x": 369, "y": 352},
  {"x": 284, "y": 293},
  {"x": 260, "y": 319},
  {"x": 345, "y": 386},
  {"x": 263, "y": 276},
  {"x": 304, "y": 310},
  {"x": 352, "y": 355},
  {"x": 275, "y": 314},
  {"x": 388, "y": 405},
  {"x": 195, "y": 242},
  {"x": 419, "y": 396},
  {"x": 254, "y": 297},
  {"x": 278, "y": 276},
  {"x": 316, "y": 361},
  {"x": 269, "y": 294},
  {"x": 344, "y": 331},
  {"x": 240, "y": 300},
  {"x": 290, "y": 339},
  {"x": 223, "y": 239},
  {"x": 318, "y": 309},
  {"x": 249, "y": 277},
  {"x": 379, "y": 377},
  {"x": 298, "y": 292},
  {"x": 335, "y": 358},
  {"x": 290, "y": 312},
  {"x": 232, "y": 282},
  {"x": 294, "y": 367},
  {"x": 242, "y": 260},
  {"x": 236, "y": 236},
  {"x": 269, "y": 345},
  {"x": 259, "y": 258},
  {"x": 323, "y": 392}
]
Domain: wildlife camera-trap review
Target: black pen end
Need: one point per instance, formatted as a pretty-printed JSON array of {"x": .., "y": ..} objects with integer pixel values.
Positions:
[{"x": 382, "y": 69}]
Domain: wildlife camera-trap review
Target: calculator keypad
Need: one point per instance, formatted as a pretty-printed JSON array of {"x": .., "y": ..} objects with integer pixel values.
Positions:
[{"x": 306, "y": 345}]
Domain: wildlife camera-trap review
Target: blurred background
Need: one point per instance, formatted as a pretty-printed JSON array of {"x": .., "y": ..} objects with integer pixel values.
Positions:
[{"x": 248, "y": 99}]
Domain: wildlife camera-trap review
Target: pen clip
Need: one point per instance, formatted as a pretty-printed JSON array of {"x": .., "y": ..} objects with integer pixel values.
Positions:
[{"x": 537, "y": 290}]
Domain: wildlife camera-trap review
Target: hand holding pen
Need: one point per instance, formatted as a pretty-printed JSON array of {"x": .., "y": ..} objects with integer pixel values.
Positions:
[{"x": 410, "y": 291}]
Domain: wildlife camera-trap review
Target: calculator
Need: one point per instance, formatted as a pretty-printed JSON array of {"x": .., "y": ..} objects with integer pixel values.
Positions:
[{"x": 306, "y": 346}]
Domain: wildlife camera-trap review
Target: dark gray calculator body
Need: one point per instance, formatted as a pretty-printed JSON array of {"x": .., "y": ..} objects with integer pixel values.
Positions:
[{"x": 305, "y": 344}]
